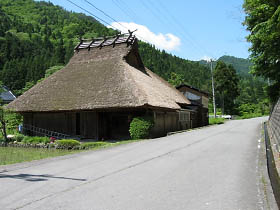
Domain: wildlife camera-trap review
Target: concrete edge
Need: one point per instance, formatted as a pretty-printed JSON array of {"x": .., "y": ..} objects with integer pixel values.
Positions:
[
  {"x": 273, "y": 171},
  {"x": 191, "y": 129}
]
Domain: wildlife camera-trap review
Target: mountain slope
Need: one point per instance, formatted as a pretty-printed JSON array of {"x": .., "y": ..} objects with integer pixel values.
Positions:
[
  {"x": 241, "y": 65},
  {"x": 37, "y": 35}
]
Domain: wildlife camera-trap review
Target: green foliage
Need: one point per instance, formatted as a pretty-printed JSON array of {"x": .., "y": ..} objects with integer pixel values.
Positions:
[
  {"x": 67, "y": 144},
  {"x": 90, "y": 145},
  {"x": 241, "y": 65},
  {"x": 254, "y": 110},
  {"x": 35, "y": 35},
  {"x": 262, "y": 21},
  {"x": 226, "y": 87},
  {"x": 13, "y": 120},
  {"x": 18, "y": 137},
  {"x": 213, "y": 121},
  {"x": 35, "y": 140},
  {"x": 9, "y": 122},
  {"x": 52, "y": 70},
  {"x": 29, "y": 85},
  {"x": 140, "y": 127},
  {"x": 176, "y": 79},
  {"x": 174, "y": 69}
]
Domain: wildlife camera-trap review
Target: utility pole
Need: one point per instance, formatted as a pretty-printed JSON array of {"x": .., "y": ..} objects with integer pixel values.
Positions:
[{"x": 213, "y": 88}]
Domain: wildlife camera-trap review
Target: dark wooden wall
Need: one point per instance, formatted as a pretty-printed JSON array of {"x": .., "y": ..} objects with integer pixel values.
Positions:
[
  {"x": 165, "y": 122},
  {"x": 64, "y": 122},
  {"x": 107, "y": 125}
]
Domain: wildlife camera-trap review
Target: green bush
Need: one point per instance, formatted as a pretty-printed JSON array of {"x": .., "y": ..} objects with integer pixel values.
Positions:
[
  {"x": 140, "y": 127},
  {"x": 18, "y": 137},
  {"x": 13, "y": 120},
  {"x": 250, "y": 115},
  {"x": 90, "y": 145},
  {"x": 67, "y": 144},
  {"x": 35, "y": 140}
]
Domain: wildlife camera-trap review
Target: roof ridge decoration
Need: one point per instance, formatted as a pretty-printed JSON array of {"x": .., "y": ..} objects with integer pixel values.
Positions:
[{"x": 127, "y": 38}]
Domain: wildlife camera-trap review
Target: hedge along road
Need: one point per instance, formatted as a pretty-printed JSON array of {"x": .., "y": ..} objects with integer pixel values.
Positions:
[{"x": 217, "y": 167}]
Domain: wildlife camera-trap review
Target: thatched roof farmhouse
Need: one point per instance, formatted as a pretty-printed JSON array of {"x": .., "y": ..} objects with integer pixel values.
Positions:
[{"x": 101, "y": 89}]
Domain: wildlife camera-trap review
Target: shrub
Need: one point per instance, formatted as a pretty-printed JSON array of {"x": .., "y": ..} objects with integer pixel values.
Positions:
[
  {"x": 35, "y": 140},
  {"x": 140, "y": 127},
  {"x": 18, "y": 137},
  {"x": 92, "y": 145},
  {"x": 67, "y": 144}
]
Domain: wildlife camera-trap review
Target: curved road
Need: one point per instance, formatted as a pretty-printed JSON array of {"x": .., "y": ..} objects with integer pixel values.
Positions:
[{"x": 217, "y": 167}]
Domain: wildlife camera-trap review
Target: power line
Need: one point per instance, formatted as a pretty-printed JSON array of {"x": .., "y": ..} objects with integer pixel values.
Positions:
[
  {"x": 181, "y": 27},
  {"x": 123, "y": 10},
  {"x": 105, "y": 14},
  {"x": 127, "y": 7},
  {"x": 101, "y": 18},
  {"x": 111, "y": 18},
  {"x": 92, "y": 14}
]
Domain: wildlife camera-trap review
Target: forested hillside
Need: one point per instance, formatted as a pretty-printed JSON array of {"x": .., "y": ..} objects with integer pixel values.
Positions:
[
  {"x": 35, "y": 36},
  {"x": 241, "y": 65},
  {"x": 252, "y": 88}
]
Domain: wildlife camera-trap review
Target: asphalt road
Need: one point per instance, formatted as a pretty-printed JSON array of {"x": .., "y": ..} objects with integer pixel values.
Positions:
[{"x": 217, "y": 167}]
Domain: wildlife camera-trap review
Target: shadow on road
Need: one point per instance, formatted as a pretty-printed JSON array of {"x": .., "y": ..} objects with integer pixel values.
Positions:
[{"x": 37, "y": 178}]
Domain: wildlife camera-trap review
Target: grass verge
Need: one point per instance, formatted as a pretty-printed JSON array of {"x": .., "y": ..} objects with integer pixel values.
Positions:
[
  {"x": 213, "y": 121},
  {"x": 10, "y": 155}
]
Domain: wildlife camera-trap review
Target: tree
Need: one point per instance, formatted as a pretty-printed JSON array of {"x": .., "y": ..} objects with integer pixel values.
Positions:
[
  {"x": 226, "y": 86},
  {"x": 176, "y": 79},
  {"x": 263, "y": 22}
]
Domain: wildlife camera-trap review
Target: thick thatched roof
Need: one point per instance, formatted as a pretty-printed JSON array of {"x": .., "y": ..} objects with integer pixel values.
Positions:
[{"x": 111, "y": 76}]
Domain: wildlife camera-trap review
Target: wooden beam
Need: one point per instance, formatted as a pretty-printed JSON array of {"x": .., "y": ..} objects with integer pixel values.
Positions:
[
  {"x": 77, "y": 47},
  {"x": 114, "y": 42},
  {"x": 93, "y": 40},
  {"x": 100, "y": 45}
]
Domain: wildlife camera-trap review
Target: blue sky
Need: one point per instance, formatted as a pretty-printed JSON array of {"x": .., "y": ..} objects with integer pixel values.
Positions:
[{"x": 186, "y": 28}]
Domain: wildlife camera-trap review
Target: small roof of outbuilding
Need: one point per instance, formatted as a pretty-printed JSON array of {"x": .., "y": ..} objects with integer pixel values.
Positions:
[
  {"x": 101, "y": 77},
  {"x": 6, "y": 95},
  {"x": 193, "y": 88}
]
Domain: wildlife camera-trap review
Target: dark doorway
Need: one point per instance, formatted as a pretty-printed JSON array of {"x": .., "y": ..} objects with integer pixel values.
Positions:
[
  {"x": 120, "y": 126},
  {"x": 113, "y": 125},
  {"x": 78, "y": 124}
]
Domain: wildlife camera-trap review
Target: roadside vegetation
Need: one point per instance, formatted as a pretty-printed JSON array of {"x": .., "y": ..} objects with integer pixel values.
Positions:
[
  {"x": 140, "y": 127},
  {"x": 16, "y": 147},
  {"x": 213, "y": 121},
  {"x": 10, "y": 155},
  {"x": 25, "y": 148}
]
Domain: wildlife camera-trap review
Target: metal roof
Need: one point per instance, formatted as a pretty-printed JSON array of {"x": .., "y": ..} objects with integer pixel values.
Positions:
[{"x": 7, "y": 95}]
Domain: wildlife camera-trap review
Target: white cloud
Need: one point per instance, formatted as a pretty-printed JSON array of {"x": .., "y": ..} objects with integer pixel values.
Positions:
[
  {"x": 163, "y": 41},
  {"x": 206, "y": 58}
]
